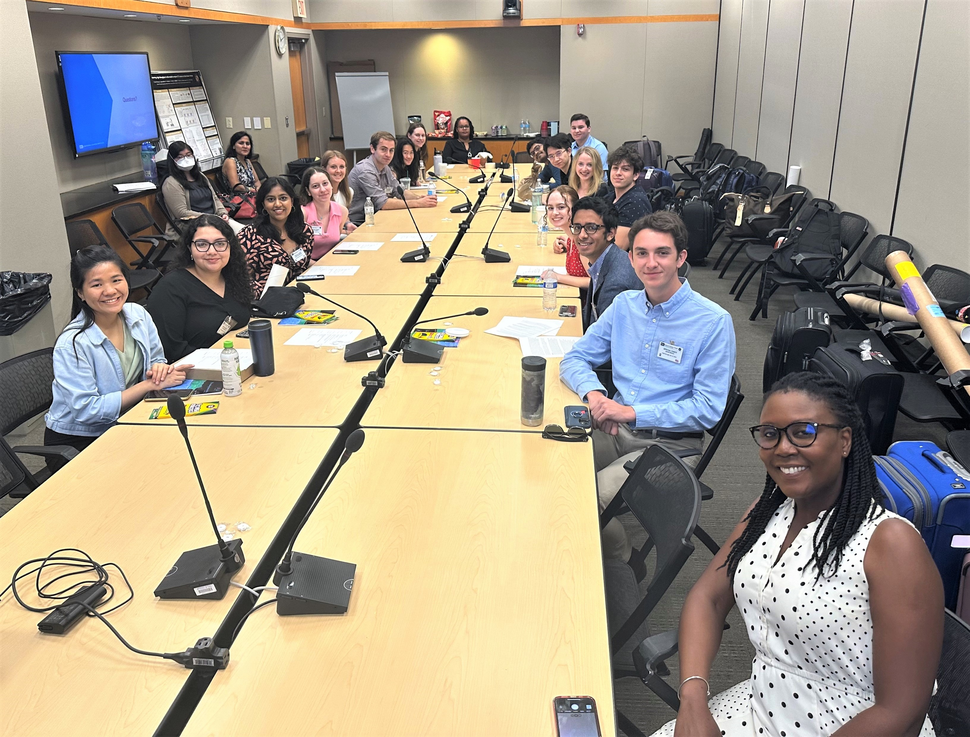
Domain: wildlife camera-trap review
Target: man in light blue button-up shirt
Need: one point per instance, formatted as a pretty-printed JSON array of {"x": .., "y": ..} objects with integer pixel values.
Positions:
[{"x": 673, "y": 354}]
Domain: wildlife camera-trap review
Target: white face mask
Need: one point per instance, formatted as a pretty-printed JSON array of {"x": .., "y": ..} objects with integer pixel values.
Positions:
[{"x": 185, "y": 164}]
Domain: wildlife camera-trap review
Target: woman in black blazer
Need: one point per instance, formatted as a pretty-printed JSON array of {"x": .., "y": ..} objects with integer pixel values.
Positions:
[{"x": 463, "y": 146}]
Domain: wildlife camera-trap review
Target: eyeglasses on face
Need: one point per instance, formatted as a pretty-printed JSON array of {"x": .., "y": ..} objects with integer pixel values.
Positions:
[
  {"x": 569, "y": 435},
  {"x": 800, "y": 434},
  {"x": 203, "y": 246},
  {"x": 590, "y": 228}
]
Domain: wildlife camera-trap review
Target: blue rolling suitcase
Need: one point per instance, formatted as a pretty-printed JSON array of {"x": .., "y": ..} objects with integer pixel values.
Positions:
[{"x": 928, "y": 487}]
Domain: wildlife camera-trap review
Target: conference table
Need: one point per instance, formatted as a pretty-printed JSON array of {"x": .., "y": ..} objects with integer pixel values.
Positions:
[
  {"x": 479, "y": 589},
  {"x": 478, "y": 386},
  {"x": 312, "y": 386},
  {"x": 478, "y": 598},
  {"x": 132, "y": 499}
]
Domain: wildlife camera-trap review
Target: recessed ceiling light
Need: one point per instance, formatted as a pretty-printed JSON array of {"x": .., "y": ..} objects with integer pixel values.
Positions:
[
  {"x": 184, "y": 20},
  {"x": 131, "y": 15},
  {"x": 55, "y": 9}
]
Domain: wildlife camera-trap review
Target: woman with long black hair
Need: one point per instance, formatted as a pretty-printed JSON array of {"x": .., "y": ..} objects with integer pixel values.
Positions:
[
  {"x": 840, "y": 597},
  {"x": 109, "y": 356},
  {"x": 207, "y": 291},
  {"x": 278, "y": 235}
]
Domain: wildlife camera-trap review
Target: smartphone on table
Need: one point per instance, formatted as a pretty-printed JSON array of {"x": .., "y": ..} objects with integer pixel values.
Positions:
[
  {"x": 577, "y": 415},
  {"x": 567, "y": 311},
  {"x": 576, "y": 716}
]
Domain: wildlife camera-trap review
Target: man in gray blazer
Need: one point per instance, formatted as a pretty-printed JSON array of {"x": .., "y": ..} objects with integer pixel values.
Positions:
[{"x": 594, "y": 223}]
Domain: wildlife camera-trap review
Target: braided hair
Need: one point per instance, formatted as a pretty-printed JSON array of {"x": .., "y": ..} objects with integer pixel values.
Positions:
[{"x": 860, "y": 495}]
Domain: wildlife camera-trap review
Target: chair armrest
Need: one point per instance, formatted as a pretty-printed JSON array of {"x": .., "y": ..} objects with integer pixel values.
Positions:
[
  {"x": 47, "y": 451},
  {"x": 656, "y": 649},
  {"x": 153, "y": 239}
]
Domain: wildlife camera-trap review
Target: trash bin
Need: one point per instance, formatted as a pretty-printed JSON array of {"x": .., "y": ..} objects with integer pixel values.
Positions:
[
  {"x": 296, "y": 168},
  {"x": 26, "y": 319}
]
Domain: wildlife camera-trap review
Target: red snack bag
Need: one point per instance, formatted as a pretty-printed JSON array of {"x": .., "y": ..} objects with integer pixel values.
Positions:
[{"x": 442, "y": 122}]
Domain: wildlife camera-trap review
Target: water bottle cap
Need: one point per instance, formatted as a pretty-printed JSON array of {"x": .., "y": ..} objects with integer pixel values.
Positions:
[{"x": 227, "y": 344}]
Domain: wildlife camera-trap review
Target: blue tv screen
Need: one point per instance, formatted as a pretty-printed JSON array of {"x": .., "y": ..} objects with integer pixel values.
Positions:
[{"x": 109, "y": 100}]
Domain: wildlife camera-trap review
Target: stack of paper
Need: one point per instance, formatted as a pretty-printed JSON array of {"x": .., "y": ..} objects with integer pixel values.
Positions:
[
  {"x": 319, "y": 337},
  {"x": 411, "y": 238},
  {"x": 525, "y": 327},
  {"x": 547, "y": 346},
  {"x": 133, "y": 187},
  {"x": 320, "y": 270}
]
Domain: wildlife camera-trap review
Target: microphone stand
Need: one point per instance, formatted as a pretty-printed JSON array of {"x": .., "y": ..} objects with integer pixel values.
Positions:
[
  {"x": 416, "y": 350},
  {"x": 365, "y": 349},
  {"x": 493, "y": 256},
  {"x": 457, "y": 208},
  {"x": 421, "y": 254}
]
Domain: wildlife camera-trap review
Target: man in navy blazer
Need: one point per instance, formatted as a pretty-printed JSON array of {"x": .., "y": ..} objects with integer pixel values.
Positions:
[{"x": 594, "y": 223}]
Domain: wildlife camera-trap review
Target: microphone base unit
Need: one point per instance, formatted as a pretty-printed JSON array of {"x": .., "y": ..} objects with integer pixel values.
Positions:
[
  {"x": 365, "y": 349},
  {"x": 201, "y": 573},
  {"x": 416, "y": 257},
  {"x": 493, "y": 256},
  {"x": 314, "y": 585},
  {"x": 502, "y": 165},
  {"x": 505, "y": 179},
  {"x": 520, "y": 207},
  {"x": 477, "y": 180},
  {"x": 462, "y": 208},
  {"x": 422, "y": 351}
]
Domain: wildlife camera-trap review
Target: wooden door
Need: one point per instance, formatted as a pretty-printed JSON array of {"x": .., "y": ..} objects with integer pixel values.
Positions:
[{"x": 299, "y": 100}]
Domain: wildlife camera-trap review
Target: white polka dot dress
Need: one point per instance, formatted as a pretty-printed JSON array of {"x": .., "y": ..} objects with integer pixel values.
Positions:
[{"x": 812, "y": 670}]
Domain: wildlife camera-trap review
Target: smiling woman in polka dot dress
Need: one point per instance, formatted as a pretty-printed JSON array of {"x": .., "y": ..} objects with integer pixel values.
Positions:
[{"x": 840, "y": 598}]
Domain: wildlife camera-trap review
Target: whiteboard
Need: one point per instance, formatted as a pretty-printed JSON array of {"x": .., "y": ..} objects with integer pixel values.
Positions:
[{"x": 365, "y": 106}]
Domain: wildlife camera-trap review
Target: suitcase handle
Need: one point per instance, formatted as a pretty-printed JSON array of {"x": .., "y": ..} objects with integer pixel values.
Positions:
[{"x": 940, "y": 465}]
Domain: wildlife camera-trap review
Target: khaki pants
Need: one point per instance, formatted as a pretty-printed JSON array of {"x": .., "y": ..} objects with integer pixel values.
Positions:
[{"x": 610, "y": 453}]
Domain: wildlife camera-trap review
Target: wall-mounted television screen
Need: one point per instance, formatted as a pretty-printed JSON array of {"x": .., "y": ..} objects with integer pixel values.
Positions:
[{"x": 108, "y": 98}]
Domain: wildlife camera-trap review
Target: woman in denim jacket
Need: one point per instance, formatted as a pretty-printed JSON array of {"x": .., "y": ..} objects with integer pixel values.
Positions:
[{"x": 108, "y": 358}]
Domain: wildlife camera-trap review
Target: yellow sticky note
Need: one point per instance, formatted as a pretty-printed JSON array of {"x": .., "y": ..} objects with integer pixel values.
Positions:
[{"x": 906, "y": 270}]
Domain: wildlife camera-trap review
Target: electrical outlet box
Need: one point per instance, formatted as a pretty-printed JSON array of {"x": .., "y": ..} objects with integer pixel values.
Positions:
[{"x": 229, "y": 123}]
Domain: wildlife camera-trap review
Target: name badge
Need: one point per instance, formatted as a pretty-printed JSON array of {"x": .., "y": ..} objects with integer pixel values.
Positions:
[
  {"x": 670, "y": 352},
  {"x": 317, "y": 229},
  {"x": 298, "y": 255},
  {"x": 227, "y": 325}
]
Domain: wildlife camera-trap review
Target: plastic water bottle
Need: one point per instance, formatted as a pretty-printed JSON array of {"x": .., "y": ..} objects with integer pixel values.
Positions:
[
  {"x": 148, "y": 162},
  {"x": 536, "y": 201},
  {"x": 231, "y": 378},
  {"x": 431, "y": 188},
  {"x": 369, "y": 212},
  {"x": 422, "y": 176},
  {"x": 549, "y": 285},
  {"x": 542, "y": 227},
  {"x": 528, "y": 126}
]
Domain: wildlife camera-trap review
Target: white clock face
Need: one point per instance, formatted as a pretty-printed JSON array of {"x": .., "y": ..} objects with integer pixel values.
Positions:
[{"x": 280, "y": 40}]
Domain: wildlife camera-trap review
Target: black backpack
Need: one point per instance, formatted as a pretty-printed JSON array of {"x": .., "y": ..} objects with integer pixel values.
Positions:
[
  {"x": 816, "y": 236},
  {"x": 712, "y": 183}
]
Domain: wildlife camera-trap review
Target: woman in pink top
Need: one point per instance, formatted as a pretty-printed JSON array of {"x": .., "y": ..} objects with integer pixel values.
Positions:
[{"x": 327, "y": 218}]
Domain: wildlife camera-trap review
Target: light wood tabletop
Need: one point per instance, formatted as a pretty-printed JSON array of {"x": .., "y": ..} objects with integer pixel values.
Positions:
[
  {"x": 510, "y": 222},
  {"x": 438, "y": 219},
  {"x": 480, "y": 380},
  {"x": 468, "y": 274},
  {"x": 381, "y": 271},
  {"x": 131, "y": 498},
  {"x": 312, "y": 387},
  {"x": 478, "y": 598}
]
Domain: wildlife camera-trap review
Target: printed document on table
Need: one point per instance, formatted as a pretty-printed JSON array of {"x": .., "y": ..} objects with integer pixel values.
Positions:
[
  {"x": 277, "y": 278},
  {"x": 547, "y": 346},
  {"x": 319, "y": 337},
  {"x": 362, "y": 245},
  {"x": 413, "y": 237},
  {"x": 210, "y": 359},
  {"x": 319, "y": 270},
  {"x": 538, "y": 270},
  {"x": 525, "y": 327}
]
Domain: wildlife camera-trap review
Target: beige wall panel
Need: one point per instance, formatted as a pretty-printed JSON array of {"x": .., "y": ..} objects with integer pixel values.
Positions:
[
  {"x": 932, "y": 214},
  {"x": 168, "y": 47},
  {"x": 778, "y": 91},
  {"x": 32, "y": 235},
  {"x": 600, "y": 8},
  {"x": 603, "y": 76},
  {"x": 751, "y": 64},
  {"x": 875, "y": 101},
  {"x": 349, "y": 11},
  {"x": 543, "y": 9},
  {"x": 492, "y": 75},
  {"x": 244, "y": 84},
  {"x": 678, "y": 98},
  {"x": 825, "y": 34},
  {"x": 421, "y": 10},
  {"x": 683, "y": 7},
  {"x": 726, "y": 84},
  {"x": 282, "y": 9}
]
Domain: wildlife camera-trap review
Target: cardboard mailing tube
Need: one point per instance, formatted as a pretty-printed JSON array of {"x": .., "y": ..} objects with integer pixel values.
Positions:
[
  {"x": 897, "y": 313},
  {"x": 945, "y": 342}
]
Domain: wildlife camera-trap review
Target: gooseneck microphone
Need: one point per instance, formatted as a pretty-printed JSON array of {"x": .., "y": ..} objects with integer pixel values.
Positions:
[
  {"x": 420, "y": 254},
  {"x": 203, "y": 573},
  {"x": 415, "y": 350},
  {"x": 365, "y": 349},
  {"x": 491, "y": 255},
  {"x": 505, "y": 178},
  {"x": 457, "y": 208},
  {"x": 309, "y": 584}
]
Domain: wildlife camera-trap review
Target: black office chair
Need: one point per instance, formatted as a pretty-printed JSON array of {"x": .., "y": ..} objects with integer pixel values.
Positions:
[
  {"x": 83, "y": 233},
  {"x": 523, "y": 157},
  {"x": 665, "y": 497},
  {"x": 163, "y": 208},
  {"x": 773, "y": 181},
  {"x": 25, "y": 392},
  {"x": 727, "y": 157},
  {"x": 950, "y": 706},
  {"x": 756, "y": 168},
  {"x": 741, "y": 162},
  {"x": 139, "y": 228}
]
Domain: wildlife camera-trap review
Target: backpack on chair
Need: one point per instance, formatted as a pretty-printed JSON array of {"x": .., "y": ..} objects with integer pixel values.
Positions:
[{"x": 816, "y": 234}]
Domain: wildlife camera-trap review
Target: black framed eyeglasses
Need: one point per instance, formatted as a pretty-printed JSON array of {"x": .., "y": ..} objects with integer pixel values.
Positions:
[
  {"x": 221, "y": 246},
  {"x": 590, "y": 228},
  {"x": 569, "y": 435},
  {"x": 800, "y": 434}
]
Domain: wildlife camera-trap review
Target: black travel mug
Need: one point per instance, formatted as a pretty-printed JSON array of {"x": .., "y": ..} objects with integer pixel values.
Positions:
[
  {"x": 533, "y": 390},
  {"x": 261, "y": 341}
]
